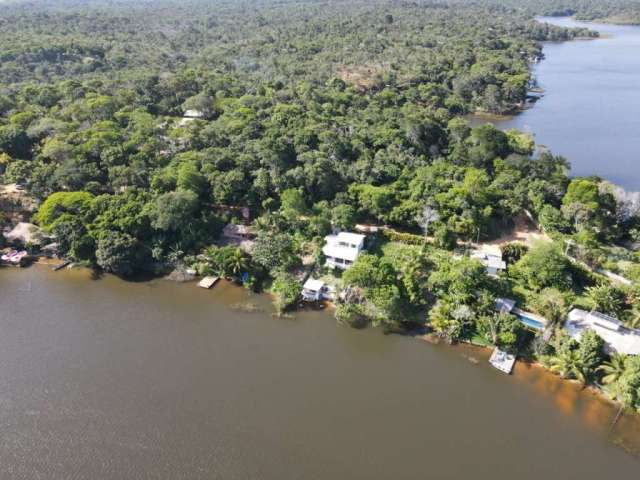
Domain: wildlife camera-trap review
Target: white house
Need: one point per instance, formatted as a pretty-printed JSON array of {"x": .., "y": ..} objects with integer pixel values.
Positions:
[
  {"x": 493, "y": 262},
  {"x": 189, "y": 116},
  {"x": 342, "y": 249},
  {"x": 616, "y": 336},
  {"x": 313, "y": 290},
  {"x": 193, "y": 114}
]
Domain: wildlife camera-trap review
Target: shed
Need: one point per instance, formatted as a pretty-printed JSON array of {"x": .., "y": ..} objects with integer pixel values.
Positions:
[{"x": 505, "y": 305}]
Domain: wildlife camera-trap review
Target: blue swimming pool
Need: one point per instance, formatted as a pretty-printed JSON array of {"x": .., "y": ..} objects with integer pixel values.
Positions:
[{"x": 530, "y": 322}]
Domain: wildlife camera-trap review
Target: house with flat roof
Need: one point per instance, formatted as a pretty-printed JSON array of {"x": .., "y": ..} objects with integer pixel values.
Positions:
[
  {"x": 313, "y": 290},
  {"x": 193, "y": 114},
  {"x": 617, "y": 338},
  {"x": 492, "y": 262},
  {"x": 342, "y": 249}
]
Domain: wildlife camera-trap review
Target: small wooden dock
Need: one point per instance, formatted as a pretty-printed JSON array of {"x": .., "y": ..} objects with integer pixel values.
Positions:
[
  {"x": 208, "y": 282},
  {"x": 60, "y": 266},
  {"x": 502, "y": 360}
]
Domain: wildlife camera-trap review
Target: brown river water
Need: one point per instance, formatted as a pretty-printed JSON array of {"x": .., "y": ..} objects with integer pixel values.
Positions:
[{"x": 106, "y": 379}]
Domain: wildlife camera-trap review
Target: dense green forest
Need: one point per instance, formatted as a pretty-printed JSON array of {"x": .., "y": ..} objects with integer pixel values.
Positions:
[{"x": 315, "y": 116}]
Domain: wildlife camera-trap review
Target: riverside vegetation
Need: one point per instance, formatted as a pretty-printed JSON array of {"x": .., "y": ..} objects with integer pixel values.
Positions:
[{"x": 346, "y": 112}]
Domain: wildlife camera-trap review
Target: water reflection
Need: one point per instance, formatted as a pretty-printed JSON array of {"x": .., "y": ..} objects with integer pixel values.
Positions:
[{"x": 589, "y": 110}]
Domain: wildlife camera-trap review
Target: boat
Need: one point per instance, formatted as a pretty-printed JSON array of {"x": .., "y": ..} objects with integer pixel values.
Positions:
[{"x": 14, "y": 256}]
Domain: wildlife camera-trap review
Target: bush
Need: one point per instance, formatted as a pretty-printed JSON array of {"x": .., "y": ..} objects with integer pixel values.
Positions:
[
  {"x": 352, "y": 314},
  {"x": 445, "y": 238},
  {"x": 408, "y": 238},
  {"x": 514, "y": 251}
]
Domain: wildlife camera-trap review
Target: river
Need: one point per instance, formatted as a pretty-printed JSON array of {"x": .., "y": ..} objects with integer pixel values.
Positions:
[
  {"x": 590, "y": 109},
  {"x": 106, "y": 379}
]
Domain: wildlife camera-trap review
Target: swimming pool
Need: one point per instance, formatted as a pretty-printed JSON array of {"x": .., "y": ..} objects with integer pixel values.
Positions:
[{"x": 529, "y": 320}]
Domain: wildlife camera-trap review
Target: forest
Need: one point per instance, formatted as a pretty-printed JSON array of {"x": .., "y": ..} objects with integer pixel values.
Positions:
[{"x": 316, "y": 116}]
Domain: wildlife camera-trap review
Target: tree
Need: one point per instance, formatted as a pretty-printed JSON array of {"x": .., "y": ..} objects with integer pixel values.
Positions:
[
  {"x": 274, "y": 251},
  {"x": 626, "y": 389},
  {"x": 590, "y": 352},
  {"x": 369, "y": 272},
  {"x": 63, "y": 204},
  {"x": 613, "y": 369},
  {"x": 552, "y": 220},
  {"x": 73, "y": 240},
  {"x": 459, "y": 280},
  {"x": 451, "y": 319},
  {"x": 375, "y": 202},
  {"x": 352, "y": 314},
  {"x": 551, "y": 303},
  {"x": 606, "y": 298},
  {"x": 292, "y": 203},
  {"x": 173, "y": 211},
  {"x": 343, "y": 216},
  {"x": 567, "y": 364},
  {"x": 501, "y": 329},
  {"x": 287, "y": 291},
  {"x": 426, "y": 217},
  {"x": 544, "y": 266},
  {"x": 512, "y": 252},
  {"x": 116, "y": 252},
  {"x": 228, "y": 261},
  {"x": 587, "y": 206},
  {"x": 190, "y": 179}
]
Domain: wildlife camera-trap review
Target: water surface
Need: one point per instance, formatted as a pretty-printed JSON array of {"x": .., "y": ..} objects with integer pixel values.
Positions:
[
  {"x": 590, "y": 112},
  {"x": 108, "y": 379}
]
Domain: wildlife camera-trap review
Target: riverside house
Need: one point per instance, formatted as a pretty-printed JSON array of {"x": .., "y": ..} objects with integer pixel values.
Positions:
[
  {"x": 617, "y": 338},
  {"x": 342, "y": 249},
  {"x": 313, "y": 290},
  {"x": 239, "y": 235}
]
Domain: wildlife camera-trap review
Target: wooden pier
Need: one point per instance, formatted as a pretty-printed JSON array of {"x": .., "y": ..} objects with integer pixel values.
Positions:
[{"x": 208, "y": 282}]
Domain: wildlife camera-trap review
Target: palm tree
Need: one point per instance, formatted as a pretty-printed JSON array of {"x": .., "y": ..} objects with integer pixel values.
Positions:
[
  {"x": 551, "y": 303},
  {"x": 237, "y": 263},
  {"x": 567, "y": 364},
  {"x": 613, "y": 369},
  {"x": 634, "y": 322},
  {"x": 605, "y": 298}
]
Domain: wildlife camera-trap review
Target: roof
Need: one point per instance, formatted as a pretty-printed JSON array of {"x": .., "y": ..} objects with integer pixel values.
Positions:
[
  {"x": 505, "y": 304},
  {"x": 313, "y": 284},
  {"x": 333, "y": 247},
  {"x": 345, "y": 253},
  {"x": 348, "y": 237},
  {"x": 489, "y": 260},
  {"x": 617, "y": 338},
  {"x": 233, "y": 229},
  {"x": 25, "y": 233},
  {"x": 193, "y": 114}
]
